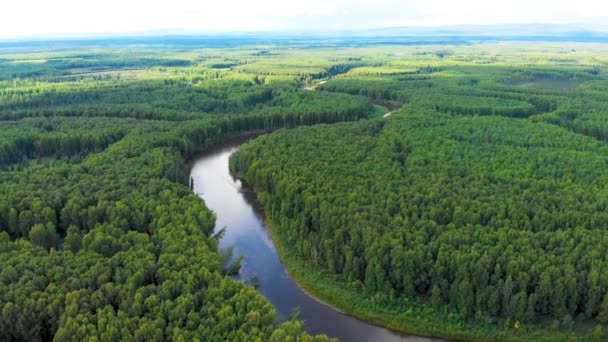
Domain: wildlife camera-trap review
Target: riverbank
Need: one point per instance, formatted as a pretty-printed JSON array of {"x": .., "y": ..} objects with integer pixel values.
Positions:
[
  {"x": 413, "y": 319},
  {"x": 238, "y": 210},
  {"x": 236, "y": 139}
]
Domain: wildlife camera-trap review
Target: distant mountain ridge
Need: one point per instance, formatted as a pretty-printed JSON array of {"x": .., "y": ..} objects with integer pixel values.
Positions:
[
  {"x": 593, "y": 31},
  {"x": 499, "y": 30}
]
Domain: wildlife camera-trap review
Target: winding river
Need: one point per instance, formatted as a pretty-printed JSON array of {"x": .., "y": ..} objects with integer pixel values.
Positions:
[{"x": 237, "y": 209}]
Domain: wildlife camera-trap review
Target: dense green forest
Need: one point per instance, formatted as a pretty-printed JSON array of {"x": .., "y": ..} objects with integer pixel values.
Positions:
[
  {"x": 100, "y": 237},
  {"x": 480, "y": 203},
  {"x": 478, "y": 211}
]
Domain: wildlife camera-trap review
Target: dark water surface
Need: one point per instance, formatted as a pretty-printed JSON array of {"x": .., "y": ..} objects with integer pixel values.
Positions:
[{"x": 237, "y": 209}]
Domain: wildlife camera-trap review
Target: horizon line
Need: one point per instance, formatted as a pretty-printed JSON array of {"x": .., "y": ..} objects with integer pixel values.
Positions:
[{"x": 418, "y": 31}]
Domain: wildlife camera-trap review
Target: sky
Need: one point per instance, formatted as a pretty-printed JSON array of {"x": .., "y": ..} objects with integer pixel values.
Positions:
[{"x": 31, "y": 18}]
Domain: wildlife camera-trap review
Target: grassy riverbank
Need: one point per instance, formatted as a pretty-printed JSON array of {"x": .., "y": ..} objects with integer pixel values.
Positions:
[{"x": 413, "y": 319}]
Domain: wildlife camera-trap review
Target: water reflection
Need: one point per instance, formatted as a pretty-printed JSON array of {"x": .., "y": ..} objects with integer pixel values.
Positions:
[{"x": 237, "y": 209}]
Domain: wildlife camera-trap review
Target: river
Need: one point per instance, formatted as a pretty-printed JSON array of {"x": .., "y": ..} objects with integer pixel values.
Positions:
[{"x": 238, "y": 210}]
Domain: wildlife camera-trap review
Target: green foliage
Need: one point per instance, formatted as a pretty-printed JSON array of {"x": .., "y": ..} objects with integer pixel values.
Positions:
[
  {"x": 433, "y": 212},
  {"x": 100, "y": 238},
  {"x": 479, "y": 199}
]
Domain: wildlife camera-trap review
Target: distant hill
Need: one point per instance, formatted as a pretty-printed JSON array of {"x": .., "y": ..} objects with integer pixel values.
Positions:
[
  {"x": 593, "y": 30},
  {"x": 502, "y": 30}
]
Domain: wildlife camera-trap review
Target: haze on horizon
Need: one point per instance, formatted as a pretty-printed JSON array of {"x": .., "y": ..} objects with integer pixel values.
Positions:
[{"x": 42, "y": 18}]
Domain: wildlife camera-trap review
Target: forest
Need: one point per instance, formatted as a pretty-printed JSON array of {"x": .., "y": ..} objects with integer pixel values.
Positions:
[
  {"x": 100, "y": 236},
  {"x": 480, "y": 205}
]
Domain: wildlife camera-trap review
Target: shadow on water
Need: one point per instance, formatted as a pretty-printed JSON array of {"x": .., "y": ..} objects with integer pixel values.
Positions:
[{"x": 237, "y": 208}]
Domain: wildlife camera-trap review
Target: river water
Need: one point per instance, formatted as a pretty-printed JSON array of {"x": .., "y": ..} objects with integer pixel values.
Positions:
[{"x": 238, "y": 210}]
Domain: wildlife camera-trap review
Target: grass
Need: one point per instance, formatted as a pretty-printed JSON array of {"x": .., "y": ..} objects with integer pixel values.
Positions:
[
  {"x": 378, "y": 111},
  {"x": 548, "y": 84}
]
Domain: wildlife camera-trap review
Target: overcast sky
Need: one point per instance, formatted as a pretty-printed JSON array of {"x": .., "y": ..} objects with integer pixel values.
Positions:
[{"x": 76, "y": 17}]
